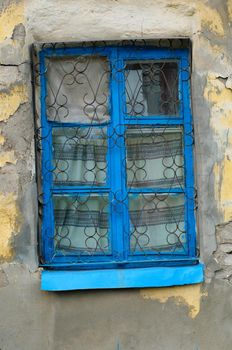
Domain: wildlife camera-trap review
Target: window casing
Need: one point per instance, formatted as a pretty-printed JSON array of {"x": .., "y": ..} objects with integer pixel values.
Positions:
[{"x": 116, "y": 153}]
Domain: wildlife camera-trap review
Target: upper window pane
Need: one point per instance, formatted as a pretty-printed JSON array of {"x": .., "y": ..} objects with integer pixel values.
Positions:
[
  {"x": 151, "y": 88},
  {"x": 78, "y": 89}
]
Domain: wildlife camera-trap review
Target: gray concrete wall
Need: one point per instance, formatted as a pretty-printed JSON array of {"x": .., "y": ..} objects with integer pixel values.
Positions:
[{"x": 192, "y": 317}]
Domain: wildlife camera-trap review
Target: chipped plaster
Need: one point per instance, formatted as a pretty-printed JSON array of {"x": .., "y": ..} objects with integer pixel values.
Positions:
[
  {"x": 9, "y": 18},
  {"x": 216, "y": 92},
  {"x": 11, "y": 99}
]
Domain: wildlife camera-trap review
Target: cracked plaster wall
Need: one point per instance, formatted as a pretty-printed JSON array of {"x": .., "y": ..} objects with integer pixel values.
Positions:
[{"x": 33, "y": 319}]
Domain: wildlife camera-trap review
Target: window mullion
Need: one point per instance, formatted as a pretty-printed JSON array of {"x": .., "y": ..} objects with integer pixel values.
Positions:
[{"x": 117, "y": 171}]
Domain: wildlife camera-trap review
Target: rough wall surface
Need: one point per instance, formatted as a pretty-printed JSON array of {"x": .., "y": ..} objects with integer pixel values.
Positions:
[{"x": 191, "y": 317}]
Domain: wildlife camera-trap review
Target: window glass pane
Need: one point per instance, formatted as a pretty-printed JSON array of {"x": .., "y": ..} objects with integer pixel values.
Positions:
[
  {"x": 154, "y": 157},
  {"x": 81, "y": 223},
  {"x": 78, "y": 89},
  {"x": 79, "y": 156},
  {"x": 151, "y": 88},
  {"x": 157, "y": 223}
]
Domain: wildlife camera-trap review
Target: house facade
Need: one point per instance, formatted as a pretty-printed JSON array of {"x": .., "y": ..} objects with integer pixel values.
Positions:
[{"x": 166, "y": 282}]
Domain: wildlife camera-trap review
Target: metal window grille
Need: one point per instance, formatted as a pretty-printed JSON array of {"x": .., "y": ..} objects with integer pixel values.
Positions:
[{"x": 114, "y": 144}]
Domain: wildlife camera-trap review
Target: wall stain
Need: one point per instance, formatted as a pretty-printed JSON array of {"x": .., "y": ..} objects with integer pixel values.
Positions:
[
  {"x": 210, "y": 19},
  {"x": 3, "y": 279},
  {"x": 181, "y": 295}
]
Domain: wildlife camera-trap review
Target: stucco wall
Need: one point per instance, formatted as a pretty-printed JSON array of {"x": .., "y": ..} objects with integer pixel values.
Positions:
[{"x": 191, "y": 317}]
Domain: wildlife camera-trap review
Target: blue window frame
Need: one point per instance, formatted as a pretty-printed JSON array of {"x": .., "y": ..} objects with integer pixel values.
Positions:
[{"x": 117, "y": 165}]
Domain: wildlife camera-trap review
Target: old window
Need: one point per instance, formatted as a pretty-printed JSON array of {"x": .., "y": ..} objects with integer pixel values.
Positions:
[{"x": 116, "y": 163}]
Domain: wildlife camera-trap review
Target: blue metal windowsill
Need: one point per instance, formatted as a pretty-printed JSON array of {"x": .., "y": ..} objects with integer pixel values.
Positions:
[{"x": 52, "y": 280}]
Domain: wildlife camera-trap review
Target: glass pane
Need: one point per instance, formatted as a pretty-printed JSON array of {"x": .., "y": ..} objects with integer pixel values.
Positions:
[
  {"x": 157, "y": 223},
  {"x": 151, "y": 88},
  {"x": 78, "y": 89},
  {"x": 155, "y": 157},
  {"x": 79, "y": 156},
  {"x": 81, "y": 223}
]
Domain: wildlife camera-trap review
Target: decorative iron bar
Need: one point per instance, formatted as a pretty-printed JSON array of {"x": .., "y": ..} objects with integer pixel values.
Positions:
[{"x": 77, "y": 140}]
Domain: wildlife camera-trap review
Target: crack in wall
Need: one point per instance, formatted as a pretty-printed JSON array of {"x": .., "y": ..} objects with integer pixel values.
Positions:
[{"x": 14, "y": 65}]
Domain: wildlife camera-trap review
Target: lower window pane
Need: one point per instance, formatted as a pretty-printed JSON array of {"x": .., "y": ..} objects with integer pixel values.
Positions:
[
  {"x": 157, "y": 223},
  {"x": 81, "y": 224}
]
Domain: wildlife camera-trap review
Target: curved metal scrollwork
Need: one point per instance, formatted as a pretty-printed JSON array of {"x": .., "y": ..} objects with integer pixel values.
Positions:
[{"x": 83, "y": 138}]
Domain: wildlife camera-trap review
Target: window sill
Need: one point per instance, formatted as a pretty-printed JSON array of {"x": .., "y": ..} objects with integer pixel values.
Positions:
[{"x": 122, "y": 278}]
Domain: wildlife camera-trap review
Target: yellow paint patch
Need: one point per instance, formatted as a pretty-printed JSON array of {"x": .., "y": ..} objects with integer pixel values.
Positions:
[
  {"x": 11, "y": 100},
  {"x": 211, "y": 19},
  {"x": 9, "y": 18},
  {"x": 221, "y": 111},
  {"x": 229, "y": 6},
  {"x": 187, "y": 295},
  {"x": 221, "y": 99},
  {"x": 2, "y": 140},
  {"x": 10, "y": 222},
  {"x": 223, "y": 187},
  {"x": 7, "y": 158},
  {"x": 216, "y": 92},
  {"x": 221, "y": 121}
]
